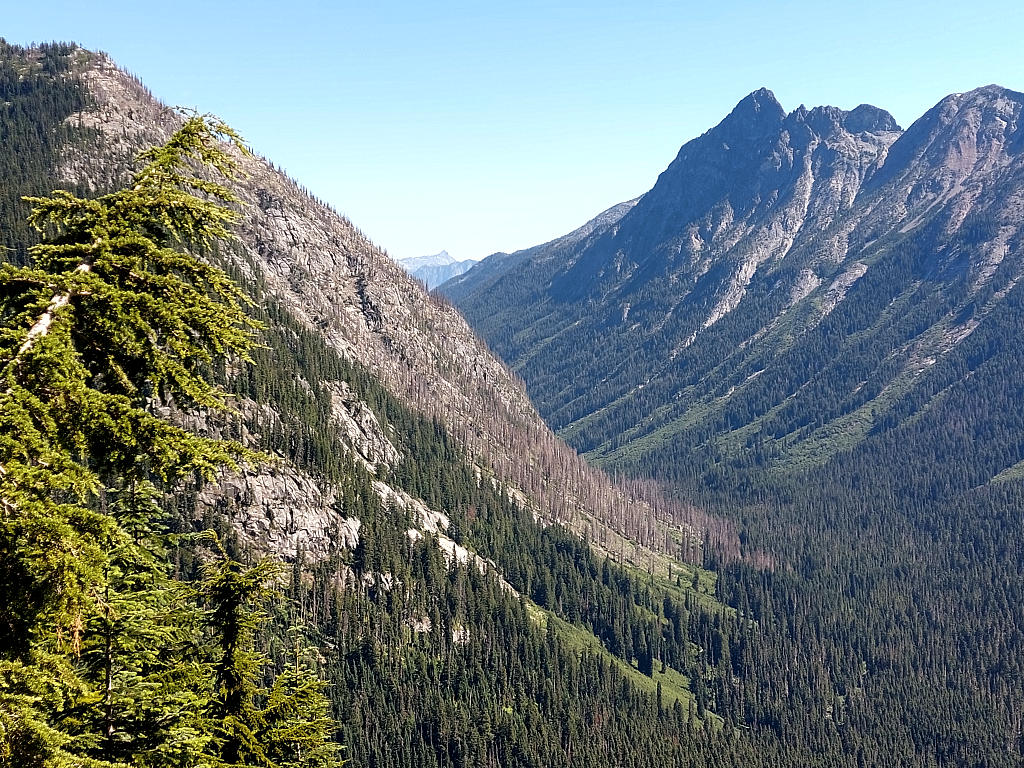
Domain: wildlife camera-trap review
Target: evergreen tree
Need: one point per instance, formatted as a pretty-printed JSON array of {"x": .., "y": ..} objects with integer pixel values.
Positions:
[
  {"x": 112, "y": 313},
  {"x": 285, "y": 726},
  {"x": 117, "y": 311},
  {"x": 140, "y": 652}
]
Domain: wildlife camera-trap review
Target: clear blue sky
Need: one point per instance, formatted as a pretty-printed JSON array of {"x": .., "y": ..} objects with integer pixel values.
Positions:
[{"x": 479, "y": 127}]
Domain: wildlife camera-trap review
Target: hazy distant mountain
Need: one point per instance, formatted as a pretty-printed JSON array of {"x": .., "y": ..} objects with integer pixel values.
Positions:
[{"x": 436, "y": 269}]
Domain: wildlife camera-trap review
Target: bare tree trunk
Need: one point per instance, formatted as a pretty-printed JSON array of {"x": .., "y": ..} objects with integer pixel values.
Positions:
[{"x": 42, "y": 325}]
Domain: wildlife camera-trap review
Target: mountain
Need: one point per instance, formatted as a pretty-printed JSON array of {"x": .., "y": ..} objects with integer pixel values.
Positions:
[
  {"x": 750, "y": 251},
  {"x": 435, "y": 260},
  {"x": 434, "y": 270},
  {"x": 489, "y": 270},
  {"x": 811, "y": 323},
  {"x": 433, "y": 525}
]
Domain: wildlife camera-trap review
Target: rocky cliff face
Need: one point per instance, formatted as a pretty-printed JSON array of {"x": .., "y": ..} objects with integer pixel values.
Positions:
[
  {"x": 334, "y": 281},
  {"x": 725, "y": 295},
  {"x": 737, "y": 197}
]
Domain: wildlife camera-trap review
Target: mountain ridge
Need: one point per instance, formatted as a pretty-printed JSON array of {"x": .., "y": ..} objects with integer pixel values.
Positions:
[
  {"x": 497, "y": 264},
  {"x": 791, "y": 209},
  {"x": 338, "y": 282}
]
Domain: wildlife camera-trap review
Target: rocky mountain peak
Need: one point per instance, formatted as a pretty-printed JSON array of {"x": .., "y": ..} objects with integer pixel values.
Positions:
[
  {"x": 991, "y": 105},
  {"x": 746, "y": 187},
  {"x": 870, "y": 119},
  {"x": 433, "y": 260},
  {"x": 991, "y": 93},
  {"x": 435, "y": 269},
  {"x": 755, "y": 115},
  {"x": 964, "y": 133},
  {"x": 759, "y": 102}
]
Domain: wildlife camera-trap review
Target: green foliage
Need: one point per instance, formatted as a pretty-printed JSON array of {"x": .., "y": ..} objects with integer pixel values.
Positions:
[
  {"x": 139, "y": 651},
  {"x": 445, "y": 667},
  {"x": 122, "y": 647},
  {"x": 458, "y": 671},
  {"x": 103, "y": 657},
  {"x": 125, "y": 642},
  {"x": 287, "y": 725},
  {"x": 111, "y": 314}
]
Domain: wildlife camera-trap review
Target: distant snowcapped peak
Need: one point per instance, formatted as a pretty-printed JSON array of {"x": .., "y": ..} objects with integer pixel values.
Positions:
[
  {"x": 436, "y": 269},
  {"x": 436, "y": 260}
]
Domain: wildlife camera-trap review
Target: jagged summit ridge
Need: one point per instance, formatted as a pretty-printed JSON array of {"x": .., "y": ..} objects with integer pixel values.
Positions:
[
  {"x": 754, "y": 236},
  {"x": 761, "y": 112},
  {"x": 734, "y": 198},
  {"x": 709, "y": 177}
]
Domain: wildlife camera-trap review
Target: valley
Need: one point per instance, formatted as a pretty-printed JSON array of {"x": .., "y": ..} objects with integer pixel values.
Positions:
[{"x": 739, "y": 484}]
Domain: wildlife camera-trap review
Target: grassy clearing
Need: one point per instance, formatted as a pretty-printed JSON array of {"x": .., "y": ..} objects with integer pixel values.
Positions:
[
  {"x": 696, "y": 583},
  {"x": 674, "y": 685},
  {"x": 1016, "y": 472}
]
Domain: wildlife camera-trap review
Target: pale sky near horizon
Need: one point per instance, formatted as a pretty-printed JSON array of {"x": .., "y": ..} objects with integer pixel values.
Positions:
[{"x": 479, "y": 127}]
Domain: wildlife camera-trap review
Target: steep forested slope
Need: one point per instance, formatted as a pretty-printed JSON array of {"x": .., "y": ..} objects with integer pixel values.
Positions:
[
  {"x": 330, "y": 277},
  {"x": 37, "y": 102},
  {"x": 456, "y": 621}
]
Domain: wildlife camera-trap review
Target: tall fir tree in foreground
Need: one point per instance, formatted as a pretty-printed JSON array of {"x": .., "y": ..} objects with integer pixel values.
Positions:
[{"x": 104, "y": 658}]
